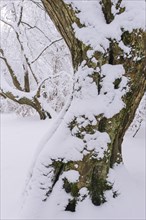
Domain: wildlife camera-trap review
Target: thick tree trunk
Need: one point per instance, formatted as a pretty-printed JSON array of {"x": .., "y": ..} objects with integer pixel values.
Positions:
[{"x": 89, "y": 126}]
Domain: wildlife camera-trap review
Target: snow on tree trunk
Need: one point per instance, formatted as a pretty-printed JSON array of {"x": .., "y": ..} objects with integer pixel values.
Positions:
[{"x": 108, "y": 53}]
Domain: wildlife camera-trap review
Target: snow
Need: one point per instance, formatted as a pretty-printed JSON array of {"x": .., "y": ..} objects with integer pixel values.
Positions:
[
  {"x": 92, "y": 19},
  {"x": 16, "y": 93},
  {"x": 19, "y": 141},
  {"x": 71, "y": 175},
  {"x": 33, "y": 52},
  {"x": 109, "y": 102},
  {"x": 110, "y": 74},
  {"x": 97, "y": 142},
  {"x": 42, "y": 191}
]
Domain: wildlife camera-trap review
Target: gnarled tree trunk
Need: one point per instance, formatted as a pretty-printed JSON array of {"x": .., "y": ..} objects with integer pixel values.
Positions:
[{"x": 108, "y": 86}]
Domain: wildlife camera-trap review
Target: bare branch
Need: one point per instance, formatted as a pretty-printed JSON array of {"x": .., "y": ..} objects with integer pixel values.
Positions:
[
  {"x": 38, "y": 4},
  {"x": 32, "y": 27},
  {"x": 22, "y": 49},
  {"x": 34, "y": 76},
  {"x": 7, "y": 23},
  {"x": 15, "y": 14},
  {"x": 11, "y": 71},
  {"x": 1, "y": 94},
  {"x": 21, "y": 14},
  {"x": 45, "y": 50}
]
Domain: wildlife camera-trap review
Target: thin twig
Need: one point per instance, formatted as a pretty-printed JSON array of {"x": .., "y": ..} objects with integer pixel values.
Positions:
[{"x": 45, "y": 50}]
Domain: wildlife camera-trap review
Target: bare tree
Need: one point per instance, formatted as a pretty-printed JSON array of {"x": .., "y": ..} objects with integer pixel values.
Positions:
[{"x": 29, "y": 82}]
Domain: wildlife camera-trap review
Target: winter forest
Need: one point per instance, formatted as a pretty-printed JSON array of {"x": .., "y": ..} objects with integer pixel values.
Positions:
[{"x": 72, "y": 109}]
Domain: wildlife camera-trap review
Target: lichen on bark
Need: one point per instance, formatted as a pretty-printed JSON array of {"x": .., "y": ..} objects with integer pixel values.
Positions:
[{"x": 93, "y": 170}]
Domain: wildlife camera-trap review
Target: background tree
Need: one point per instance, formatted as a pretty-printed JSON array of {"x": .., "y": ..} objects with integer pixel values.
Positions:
[
  {"x": 27, "y": 70},
  {"x": 107, "y": 44}
]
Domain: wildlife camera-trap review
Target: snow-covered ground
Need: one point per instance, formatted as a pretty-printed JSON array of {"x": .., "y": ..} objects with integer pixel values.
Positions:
[{"x": 19, "y": 140}]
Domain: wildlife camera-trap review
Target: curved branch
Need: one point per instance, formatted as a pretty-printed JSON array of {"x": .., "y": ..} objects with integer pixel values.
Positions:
[
  {"x": 45, "y": 50},
  {"x": 37, "y": 28}
]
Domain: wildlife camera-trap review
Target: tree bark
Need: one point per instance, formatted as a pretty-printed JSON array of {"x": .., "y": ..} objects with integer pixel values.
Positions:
[
  {"x": 34, "y": 103},
  {"x": 12, "y": 73},
  {"x": 93, "y": 170}
]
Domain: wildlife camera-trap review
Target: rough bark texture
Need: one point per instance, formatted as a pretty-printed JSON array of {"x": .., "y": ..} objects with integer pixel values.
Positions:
[
  {"x": 93, "y": 172},
  {"x": 63, "y": 18}
]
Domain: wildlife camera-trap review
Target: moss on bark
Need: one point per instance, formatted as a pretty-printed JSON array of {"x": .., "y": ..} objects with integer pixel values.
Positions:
[{"x": 93, "y": 171}]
